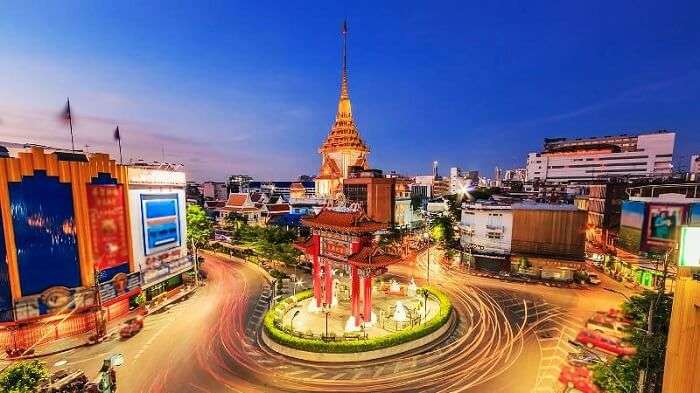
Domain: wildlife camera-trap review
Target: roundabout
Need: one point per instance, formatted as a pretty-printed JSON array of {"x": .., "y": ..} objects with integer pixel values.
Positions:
[{"x": 406, "y": 318}]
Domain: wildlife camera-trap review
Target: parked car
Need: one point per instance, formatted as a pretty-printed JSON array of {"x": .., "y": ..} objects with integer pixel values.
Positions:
[
  {"x": 579, "y": 378},
  {"x": 131, "y": 326},
  {"x": 606, "y": 343},
  {"x": 582, "y": 359},
  {"x": 608, "y": 326},
  {"x": 593, "y": 278}
]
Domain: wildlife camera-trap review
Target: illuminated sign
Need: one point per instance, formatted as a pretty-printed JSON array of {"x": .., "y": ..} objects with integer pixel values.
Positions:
[
  {"x": 141, "y": 176},
  {"x": 107, "y": 225},
  {"x": 161, "y": 222},
  {"x": 689, "y": 255}
]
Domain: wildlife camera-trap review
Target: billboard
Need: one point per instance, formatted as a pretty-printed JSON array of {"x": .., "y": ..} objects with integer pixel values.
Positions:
[
  {"x": 689, "y": 251},
  {"x": 107, "y": 225},
  {"x": 119, "y": 285},
  {"x": 54, "y": 300},
  {"x": 694, "y": 214},
  {"x": 631, "y": 223},
  {"x": 663, "y": 223},
  {"x": 161, "y": 222}
]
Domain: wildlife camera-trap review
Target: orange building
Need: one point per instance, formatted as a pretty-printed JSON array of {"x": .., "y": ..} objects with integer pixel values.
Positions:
[
  {"x": 372, "y": 193},
  {"x": 64, "y": 221},
  {"x": 343, "y": 147}
]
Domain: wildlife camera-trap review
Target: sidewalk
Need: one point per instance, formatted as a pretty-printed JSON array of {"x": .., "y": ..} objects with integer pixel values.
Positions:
[{"x": 82, "y": 340}]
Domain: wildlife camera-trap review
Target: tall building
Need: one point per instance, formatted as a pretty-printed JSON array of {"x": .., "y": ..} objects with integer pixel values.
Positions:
[
  {"x": 460, "y": 180},
  {"x": 343, "y": 147},
  {"x": 215, "y": 190},
  {"x": 238, "y": 183},
  {"x": 598, "y": 158},
  {"x": 694, "y": 167},
  {"x": 373, "y": 193}
]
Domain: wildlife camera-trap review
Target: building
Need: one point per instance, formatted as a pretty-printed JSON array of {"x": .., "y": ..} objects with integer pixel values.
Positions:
[
  {"x": 486, "y": 231},
  {"x": 585, "y": 159},
  {"x": 242, "y": 203},
  {"x": 372, "y": 193},
  {"x": 548, "y": 230},
  {"x": 280, "y": 188},
  {"x": 238, "y": 183},
  {"x": 297, "y": 191},
  {"x": 604, "y": 210},
  {"x": 460, "y": 181},
  {"x": 58, "y": 209},
  {"x": 343, "y": 147},
  {"x": 694, "y": 167},
  {"x": 159, "y": 228},
  {"x": 649, "y": 226},
  {"x": 215, "y": 190}
]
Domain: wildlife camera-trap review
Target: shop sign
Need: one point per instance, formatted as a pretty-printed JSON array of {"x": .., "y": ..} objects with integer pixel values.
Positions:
[
  {"x": 121, "y": 284},
  {"x": 161, "y": 222},
  {"x": 141, "y": 176},
  {"x": 107, "y": 225},
  {"x": 689, "y": 252},
  {"x": 53, "y": 301},
  {"x": 159, "y": 266}
]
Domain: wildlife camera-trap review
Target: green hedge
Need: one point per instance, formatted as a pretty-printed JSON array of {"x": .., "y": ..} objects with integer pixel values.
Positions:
[{"x": 273, "y": 328}]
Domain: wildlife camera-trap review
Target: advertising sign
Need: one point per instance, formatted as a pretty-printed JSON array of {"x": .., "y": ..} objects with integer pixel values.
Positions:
[
  {"x": 663, "y": 224},
  {"x": 107, "y": 225},
  {"x": 121, "y": 284},
  {"x": 689, "y": 254},
  {"x": 52, "y": 301},
  {"x": 159, "y": 266},
  {"x": 631, "y": 222},
  {"x": 161, "y": 222}
]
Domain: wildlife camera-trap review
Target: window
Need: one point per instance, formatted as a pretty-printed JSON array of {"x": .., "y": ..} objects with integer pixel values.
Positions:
[{"x": 494, "y": 235}]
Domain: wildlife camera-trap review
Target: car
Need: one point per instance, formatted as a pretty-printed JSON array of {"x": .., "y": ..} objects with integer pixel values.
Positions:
[
  {"x": 130, "y": 327},
  {"x": 594, "y": 279},
  {"x": 580, "y": 378},
  {"x": 605, "y": 343},
  {"x": 582, "y": 359},
  {"x": 608, "y": 326}
]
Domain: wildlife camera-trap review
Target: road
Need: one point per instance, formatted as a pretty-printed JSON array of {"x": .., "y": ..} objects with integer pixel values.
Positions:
[{"x": 510, "y": 338}]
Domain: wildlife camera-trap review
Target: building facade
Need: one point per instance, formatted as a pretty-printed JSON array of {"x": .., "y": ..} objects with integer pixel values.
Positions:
[
  {"x": 487, "y": 228},
  {"x": 598, "y": 158},
  {"x": 215, "y": 190},
  {"x": 59, "y": 209},
  {"x": 372, "y": 193}
]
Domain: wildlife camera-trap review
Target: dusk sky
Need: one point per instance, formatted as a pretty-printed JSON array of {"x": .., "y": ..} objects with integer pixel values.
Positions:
[{"x": 252, "y": 87}]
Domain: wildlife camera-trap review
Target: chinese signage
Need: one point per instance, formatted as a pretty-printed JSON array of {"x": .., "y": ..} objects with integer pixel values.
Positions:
[
  {"x": 121, "y": 284},
  {"x": 161, "y": 222},
  {"x": 53, "y": 301},
  {"x": 689, "y": 254},
  {"x": 334, "y": 248},
  {"x": 107, "y": 225}
]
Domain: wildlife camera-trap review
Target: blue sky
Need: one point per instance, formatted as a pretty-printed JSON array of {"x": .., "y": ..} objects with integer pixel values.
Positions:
[{"x": 252, "y": 87}]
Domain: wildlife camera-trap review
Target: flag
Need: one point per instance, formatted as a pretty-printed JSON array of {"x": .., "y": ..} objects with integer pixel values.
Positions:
[
  {"x": 66, "y": 115},
  {"x": 117, "y": 137}
]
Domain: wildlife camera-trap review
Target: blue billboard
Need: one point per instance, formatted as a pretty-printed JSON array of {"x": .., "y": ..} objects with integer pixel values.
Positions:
[
  {"x": 45, "y": 235},
  {"x": 161, "y": 222}
]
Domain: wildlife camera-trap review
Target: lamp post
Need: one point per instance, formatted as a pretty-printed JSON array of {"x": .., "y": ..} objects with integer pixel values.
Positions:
[{"x": 425, "y": 305}]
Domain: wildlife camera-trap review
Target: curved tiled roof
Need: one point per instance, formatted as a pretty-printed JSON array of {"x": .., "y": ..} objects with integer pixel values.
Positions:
[{"x": 343, "y": 221}]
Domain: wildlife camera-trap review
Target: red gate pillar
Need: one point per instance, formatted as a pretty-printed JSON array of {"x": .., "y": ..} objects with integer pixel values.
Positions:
[
  {"x": 315, "y": 251},
  {"x": 329, "y": 283},
  {"x": 355, "y": 294},
  {"x": 368, "y": 299}
]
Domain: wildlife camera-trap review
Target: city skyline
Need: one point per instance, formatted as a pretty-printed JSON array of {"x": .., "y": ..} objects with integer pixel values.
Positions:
[{"x": 222, "y": 92}]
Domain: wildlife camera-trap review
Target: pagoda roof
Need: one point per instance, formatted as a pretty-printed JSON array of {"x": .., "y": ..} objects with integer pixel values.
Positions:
[
  {"x": 343, "y": 221},
  {"x": 373, "y": 256}
]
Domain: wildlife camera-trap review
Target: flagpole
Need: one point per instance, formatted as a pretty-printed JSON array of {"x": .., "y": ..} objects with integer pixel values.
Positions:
[
  {"x": 121, "y": 161},
  {"x": 70, "y": 123}
]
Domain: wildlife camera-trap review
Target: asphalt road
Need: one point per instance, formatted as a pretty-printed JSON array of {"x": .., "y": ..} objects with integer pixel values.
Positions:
[{"x": 510, "y": 338}]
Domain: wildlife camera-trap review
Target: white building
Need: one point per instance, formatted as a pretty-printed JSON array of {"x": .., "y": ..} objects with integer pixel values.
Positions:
[
  {"x": 694, "y": 167},
  {"x": 567, "y": 160},
  {"x": 461, "y": 180},
  {"x": 486, "y": 228}
]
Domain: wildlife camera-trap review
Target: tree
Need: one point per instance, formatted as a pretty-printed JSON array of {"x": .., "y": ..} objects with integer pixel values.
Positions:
[
  {"x": 623, "y": 375},
  {"x": 199, "y": 231},
  {"x": 234, "y": 221},
  {"x": 443, "y": 233},
  {"x": 524, "y": 263},
  {"x": 416, "y": 202},
  {"x": 23, "y": 377}
]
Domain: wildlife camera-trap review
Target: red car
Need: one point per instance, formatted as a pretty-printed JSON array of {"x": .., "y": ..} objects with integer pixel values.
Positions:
[
  {"x": 579, "y": 378},
  {"x": 131, "y": 326},
  {"x": 606, "y": 343}
]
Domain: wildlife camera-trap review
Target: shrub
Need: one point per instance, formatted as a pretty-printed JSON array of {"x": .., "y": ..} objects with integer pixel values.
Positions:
[
  {"x": 273, "y": 318},
  {"x": 23, "y": 377}
]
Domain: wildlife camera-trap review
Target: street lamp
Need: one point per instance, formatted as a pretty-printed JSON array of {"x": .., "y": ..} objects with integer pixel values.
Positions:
[{"x": 425, "y": 305}]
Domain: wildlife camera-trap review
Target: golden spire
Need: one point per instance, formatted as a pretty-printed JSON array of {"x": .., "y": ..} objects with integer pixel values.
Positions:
[{"x": 344, "y": 133}]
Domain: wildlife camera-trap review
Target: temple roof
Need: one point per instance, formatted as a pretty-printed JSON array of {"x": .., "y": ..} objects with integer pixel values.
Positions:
[
  {"x": 344, "y": 134},
  {"x": 373, "y": 256},
  {"x": 343, "y": 221}
]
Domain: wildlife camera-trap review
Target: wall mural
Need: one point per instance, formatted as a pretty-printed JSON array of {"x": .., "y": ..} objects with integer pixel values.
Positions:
[{"x": 45, "y": 234}]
